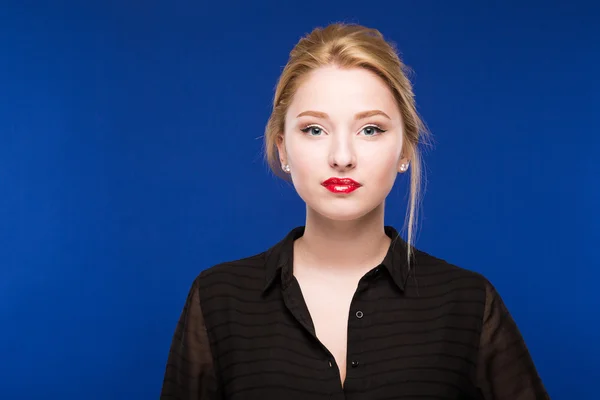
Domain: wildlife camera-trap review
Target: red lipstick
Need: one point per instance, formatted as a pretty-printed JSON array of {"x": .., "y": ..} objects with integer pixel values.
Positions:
[{"x": 341, "y": 185}]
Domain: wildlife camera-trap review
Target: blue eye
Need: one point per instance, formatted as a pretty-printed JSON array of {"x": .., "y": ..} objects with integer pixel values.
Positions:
[
  {"x": 372, "y": 130},
  {"x": 369, "y": 130},
  {"x": 312, "y": 130}
]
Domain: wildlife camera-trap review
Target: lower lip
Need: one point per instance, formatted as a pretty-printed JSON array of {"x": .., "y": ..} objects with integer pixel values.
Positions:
[{"x": 341, "y": 188}]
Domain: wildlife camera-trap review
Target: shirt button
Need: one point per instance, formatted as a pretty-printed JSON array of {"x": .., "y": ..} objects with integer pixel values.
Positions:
[
  {"x": 359, "y": 314},
  {"x": 330, "y": 364},
  {"x": 354, "y": 364}
]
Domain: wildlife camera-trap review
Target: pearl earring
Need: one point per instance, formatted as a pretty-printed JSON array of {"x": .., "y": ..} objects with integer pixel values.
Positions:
[
  {"x": 286, "y": 168},
  {"x": 403, "y": 167}
]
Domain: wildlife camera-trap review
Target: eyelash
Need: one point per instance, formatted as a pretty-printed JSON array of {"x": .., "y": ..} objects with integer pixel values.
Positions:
[{"x": 377, "y": 128}]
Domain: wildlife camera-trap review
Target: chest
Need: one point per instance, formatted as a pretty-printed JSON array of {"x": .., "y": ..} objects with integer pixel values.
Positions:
[
  {"x": 307, "y": 341},
  {"x": 329, "y": 309}
]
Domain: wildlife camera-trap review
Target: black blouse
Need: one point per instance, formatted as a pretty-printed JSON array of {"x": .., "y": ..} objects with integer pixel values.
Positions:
[{"x": 435, "y": 332}]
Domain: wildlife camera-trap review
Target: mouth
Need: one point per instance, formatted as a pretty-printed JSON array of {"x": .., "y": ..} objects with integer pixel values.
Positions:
[{"x": 341, "y": 185}]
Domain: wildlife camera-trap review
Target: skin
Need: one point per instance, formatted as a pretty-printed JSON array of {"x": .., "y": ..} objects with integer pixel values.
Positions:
[
  {"x": 343, "y": 231},
  {"x": 344, "y": 236}
]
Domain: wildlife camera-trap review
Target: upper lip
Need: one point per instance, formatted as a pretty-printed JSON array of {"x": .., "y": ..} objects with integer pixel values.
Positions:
[{"x": 341, "y": 181}]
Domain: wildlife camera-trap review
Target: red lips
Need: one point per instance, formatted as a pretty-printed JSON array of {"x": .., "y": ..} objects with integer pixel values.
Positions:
[{"x": 341, "y": 185}]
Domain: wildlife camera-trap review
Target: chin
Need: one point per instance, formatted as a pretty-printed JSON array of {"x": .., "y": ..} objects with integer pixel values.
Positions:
[{"x": 341, "y": 213}]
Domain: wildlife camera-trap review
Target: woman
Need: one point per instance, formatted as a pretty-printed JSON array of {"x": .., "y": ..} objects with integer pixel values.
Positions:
[{"x": 343, "y": 307}]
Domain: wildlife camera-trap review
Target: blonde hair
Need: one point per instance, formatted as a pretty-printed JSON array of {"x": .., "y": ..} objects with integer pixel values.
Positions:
[{"x": 352, "y": 46}]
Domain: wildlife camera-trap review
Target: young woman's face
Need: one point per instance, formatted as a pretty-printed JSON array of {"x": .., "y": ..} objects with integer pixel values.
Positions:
[{"x": 343, "y": 123}]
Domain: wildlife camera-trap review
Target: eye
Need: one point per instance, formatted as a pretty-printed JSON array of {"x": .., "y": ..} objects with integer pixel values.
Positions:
[
  {"x": 312, "y": 130},
  {"x": 372, "y": 130}
]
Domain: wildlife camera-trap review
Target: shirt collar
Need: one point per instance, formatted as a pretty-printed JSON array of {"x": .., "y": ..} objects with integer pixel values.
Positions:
[{"x": 279, "y": 259}]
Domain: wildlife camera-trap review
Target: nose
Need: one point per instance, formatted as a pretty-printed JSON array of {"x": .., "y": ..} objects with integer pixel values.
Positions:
[{"x": 342, "y": 155}]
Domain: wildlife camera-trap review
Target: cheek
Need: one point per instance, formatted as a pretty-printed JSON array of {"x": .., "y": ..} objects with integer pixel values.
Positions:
[
  {"x": 381, "y": 164},
  {"x": 308, "y": 164},
  {"x": 306, "y": 167},
  {"x": 303, "y": 157}
]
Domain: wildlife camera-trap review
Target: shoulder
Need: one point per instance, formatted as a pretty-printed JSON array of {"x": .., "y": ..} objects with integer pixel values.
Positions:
[
  {"x": 441, "y": 275},
  {"x": 229, "y": 288},
  {"x": 244, "y": 273}
]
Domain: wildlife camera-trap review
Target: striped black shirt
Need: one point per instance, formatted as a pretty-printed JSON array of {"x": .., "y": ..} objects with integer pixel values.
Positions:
[{"x": 436, "y": 331}]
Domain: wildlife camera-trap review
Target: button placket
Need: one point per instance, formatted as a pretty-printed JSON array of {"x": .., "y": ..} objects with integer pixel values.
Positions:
[
  {"x": 356, "y": 325},
  {"x": 359, "y": 315}
]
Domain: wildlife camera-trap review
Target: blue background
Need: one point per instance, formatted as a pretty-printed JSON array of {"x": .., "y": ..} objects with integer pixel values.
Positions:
[{"x": 130, "y": 160}]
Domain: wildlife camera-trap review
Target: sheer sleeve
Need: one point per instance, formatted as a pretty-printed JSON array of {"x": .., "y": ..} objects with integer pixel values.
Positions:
[
  {"x": 190, "y": 372},
  {"x": 505, "y": 368}
]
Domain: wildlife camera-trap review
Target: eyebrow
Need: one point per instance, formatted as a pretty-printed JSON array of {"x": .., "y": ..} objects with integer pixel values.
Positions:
[{"x": 357, "y": 117}]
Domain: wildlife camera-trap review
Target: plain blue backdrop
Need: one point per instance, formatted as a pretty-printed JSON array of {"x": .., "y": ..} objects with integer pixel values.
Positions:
[{"x": 130, "y": 160}]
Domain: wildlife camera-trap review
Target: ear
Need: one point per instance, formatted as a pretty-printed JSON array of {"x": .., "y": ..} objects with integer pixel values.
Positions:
[
  {"x": 406, "y": 162},
  {"x": 280, "y": 141}
]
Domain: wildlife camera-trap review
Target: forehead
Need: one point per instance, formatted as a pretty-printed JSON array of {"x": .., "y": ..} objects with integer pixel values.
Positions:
[{"x": 342, "y": 92}]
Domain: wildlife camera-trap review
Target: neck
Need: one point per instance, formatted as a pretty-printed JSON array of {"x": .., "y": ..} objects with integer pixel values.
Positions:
[{"x": 353, "y": 246}]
